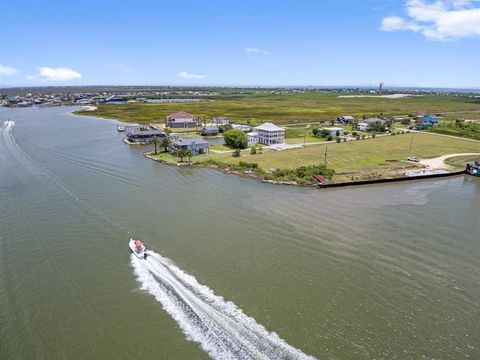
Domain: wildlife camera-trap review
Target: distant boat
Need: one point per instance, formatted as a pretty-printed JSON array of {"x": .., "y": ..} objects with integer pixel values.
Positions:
[
  {"x": 8, "y": 123},
  {"x": 138, "y": 248},
  {"x": 473, "y": 168},
  {"x": 121, "y": 128}
]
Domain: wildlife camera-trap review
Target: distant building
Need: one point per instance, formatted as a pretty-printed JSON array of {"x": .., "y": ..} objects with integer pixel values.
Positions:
[
  {"x": 346, "y": 119},
  {"x": 181, "y": 119},
  {"x": 252, "y": 138},
  {"x": 370, "y": 123},
  {"x": 244, "y": 128},
  {"x": 144, "y": 137},
  {"x": 430, "y": 119},
  {"x": 269, "y": 134},
  {"x": 210, "y": 131},
  {"x": 220, "y": 120},
  {"x": 195, "y": 145},
  {"x": 363, "y": 126},
  {"x": 333, "y": 131}
]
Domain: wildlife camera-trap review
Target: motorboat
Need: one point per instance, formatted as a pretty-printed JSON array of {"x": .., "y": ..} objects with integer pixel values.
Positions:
[
  {"x": 121, "y": 128},
  {"x": 138, "y": 248},
  {"x": 473, "y": 168}
]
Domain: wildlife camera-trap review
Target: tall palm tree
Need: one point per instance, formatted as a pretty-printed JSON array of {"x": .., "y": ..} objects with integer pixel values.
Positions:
[{"x": 155, "y": 142}]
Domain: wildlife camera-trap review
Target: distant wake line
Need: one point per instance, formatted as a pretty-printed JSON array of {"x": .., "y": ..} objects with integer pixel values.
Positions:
[{"x": 219, "y": 326}]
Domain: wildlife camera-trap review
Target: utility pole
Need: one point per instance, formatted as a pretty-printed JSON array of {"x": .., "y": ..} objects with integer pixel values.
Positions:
[
  {"x": 326, "y": 153},
  {"x": 304, "y": 138},
  {"x": 411, "y": 142}
]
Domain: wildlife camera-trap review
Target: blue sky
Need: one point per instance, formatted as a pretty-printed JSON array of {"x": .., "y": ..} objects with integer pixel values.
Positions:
[{"x": 232, "y": 42}]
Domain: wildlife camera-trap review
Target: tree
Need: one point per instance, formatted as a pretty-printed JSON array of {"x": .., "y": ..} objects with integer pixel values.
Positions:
[
  {"x": 166, "y": 141},
  {"x": 236, "y": 153},
  {"x": 236, "y": 139},
  {"x": 182, "y": 153},
  {"x": 224, "y": 128},
  {"x": 155, "y": 142},
  {"x": 189, "y": 154}
]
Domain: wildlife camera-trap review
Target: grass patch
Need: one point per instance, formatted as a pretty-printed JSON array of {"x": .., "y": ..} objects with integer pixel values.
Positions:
[{"x": 459, "y": 162}]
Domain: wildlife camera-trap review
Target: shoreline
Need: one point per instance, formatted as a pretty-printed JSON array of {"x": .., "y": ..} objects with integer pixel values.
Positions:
[{"x": 253, "y": 176}]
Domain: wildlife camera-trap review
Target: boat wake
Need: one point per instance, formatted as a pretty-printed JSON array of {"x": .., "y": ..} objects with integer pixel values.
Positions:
[{"x": 219, "y": 326}]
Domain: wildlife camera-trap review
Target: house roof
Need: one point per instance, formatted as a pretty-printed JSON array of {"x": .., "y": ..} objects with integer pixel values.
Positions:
[
  {"x": 332, "y": 128},
  {"x": 373, "y": 120},
  {"x": 190, "y": 141},
  {"x": 180, "y": 115},
  {"x": 212, "y": 128},
  {"x": 147, "y": 133},
  {"x": 347, "y": 117},
  {"x": 268, "y": 127}
]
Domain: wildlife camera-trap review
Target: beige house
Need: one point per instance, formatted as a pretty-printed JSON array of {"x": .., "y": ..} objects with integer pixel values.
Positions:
[{"x": 181, "y": 119}]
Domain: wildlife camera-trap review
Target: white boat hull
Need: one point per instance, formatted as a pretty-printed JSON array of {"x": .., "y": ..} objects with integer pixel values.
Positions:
[{"x": 138, "y": 253}]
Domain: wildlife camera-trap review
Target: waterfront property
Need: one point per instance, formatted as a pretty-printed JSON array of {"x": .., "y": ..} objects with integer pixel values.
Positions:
[
  {"x": 210, "y": 131},
  {"x": 269, "y": 134},
  {"x": 144, "y": 137},
  {"x": 196, "y": 145},
  {"x": 333, "y": 131},
  {"x": 181, "y": 119}
]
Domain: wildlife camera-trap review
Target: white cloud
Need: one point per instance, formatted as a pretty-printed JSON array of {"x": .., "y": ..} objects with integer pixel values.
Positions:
[
  {"x": 58, "y": 74},
  {"x": 187, "y": 75},
  {"x": 250, "y": 50},
  {"x": 438, "y": 20},
  {"x": 7, "y": 70}
]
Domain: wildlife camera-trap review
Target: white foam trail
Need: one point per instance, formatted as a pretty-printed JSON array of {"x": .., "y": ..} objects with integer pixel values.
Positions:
[{"x": 219, "y": 326}]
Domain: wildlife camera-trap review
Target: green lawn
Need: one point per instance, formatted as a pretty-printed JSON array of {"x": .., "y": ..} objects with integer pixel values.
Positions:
[{"x": 355, "y": 155}]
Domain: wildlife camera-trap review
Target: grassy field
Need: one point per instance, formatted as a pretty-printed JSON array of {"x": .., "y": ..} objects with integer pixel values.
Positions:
[
  {"x": 459, "y": 162},
  {"x": 365, "y": 155},
  {"x": 287, "y": 108}
]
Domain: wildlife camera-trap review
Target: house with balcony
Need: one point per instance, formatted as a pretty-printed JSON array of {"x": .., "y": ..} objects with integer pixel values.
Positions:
[
  {"x": 269, "y": 134},
  {"x": 252, "y": 139},
  {"x": 181, "y": 119}
]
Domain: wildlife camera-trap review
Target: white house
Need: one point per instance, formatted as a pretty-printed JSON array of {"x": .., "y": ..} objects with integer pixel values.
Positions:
[
  {"x": 363, "y": 126},
  {"x": 270, "y": 134},
  {"x": 334, "y": 131},
  {"x": 220, "y": 120},
  {"x": 244, "y": 128},
  {"x": 252, "y": 138}
]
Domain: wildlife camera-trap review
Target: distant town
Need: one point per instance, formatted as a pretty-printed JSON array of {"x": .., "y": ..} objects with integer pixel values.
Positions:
[{"x": 54, "y": 96}]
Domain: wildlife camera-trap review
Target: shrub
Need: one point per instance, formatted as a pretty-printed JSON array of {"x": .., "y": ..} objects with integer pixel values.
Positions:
[
  {"x": 354, "y": 133},
  {"x": 236, "y": 139},
  {"x": 374, "y": 135},
  {"x": 247, "y": 165},
  {"x": 338, "y": 140},
  {"x": 329, "y": 138},
  {"x": 253, "y": 151},
  {"x": 236, "y": 153}
]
